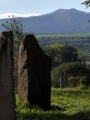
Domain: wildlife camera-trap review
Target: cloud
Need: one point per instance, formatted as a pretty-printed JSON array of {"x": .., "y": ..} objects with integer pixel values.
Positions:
[{"x": 11, "y": 15}]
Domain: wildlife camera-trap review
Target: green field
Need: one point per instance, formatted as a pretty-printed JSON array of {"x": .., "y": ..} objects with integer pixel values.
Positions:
[
  {"x": 66, "y": 104},
  {"x": 64, "y": 35}
]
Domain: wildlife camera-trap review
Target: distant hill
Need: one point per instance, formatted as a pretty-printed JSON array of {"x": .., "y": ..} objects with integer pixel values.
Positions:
[{"x": 59, "y": 21}]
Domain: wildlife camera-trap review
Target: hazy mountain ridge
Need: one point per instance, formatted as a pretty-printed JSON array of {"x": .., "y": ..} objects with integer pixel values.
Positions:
[{"x": 59, "y": 21}]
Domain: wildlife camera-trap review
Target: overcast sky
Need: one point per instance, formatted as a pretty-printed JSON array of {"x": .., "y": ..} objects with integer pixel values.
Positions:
[{"x": 38, "y": 6}]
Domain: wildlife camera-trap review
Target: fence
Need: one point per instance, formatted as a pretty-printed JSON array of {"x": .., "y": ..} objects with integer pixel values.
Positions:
[{"x": 70, "y": 80}]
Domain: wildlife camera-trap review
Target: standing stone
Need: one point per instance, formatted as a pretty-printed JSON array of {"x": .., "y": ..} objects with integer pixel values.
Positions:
[
  {"x": 34, "y": 83},
  {"x": 7, "y": 99},
  {"x": 22, "y": 74}
]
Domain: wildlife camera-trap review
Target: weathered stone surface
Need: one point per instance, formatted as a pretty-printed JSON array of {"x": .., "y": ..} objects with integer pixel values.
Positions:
[
  {"x": 7, "y": 99},
  {"x": 22, "y": 74},
  {"x": 34, "y": 82}
]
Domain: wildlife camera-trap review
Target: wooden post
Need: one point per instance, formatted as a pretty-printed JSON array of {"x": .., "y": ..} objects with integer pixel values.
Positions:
[{"x": 60, "y": 82}]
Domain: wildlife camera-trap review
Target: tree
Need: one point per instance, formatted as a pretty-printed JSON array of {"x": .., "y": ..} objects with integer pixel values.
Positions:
[
  {"x": 70, "y": 68},
  {"x": 70, "y": 73},
  {"x": 54, "y": 52},
  {"x": 61, "y": 54},
  {"x": 68, "y": 54},
  {"x": 87, "y": 3},
  {"x": 16, "y": 27},
  {"x": 82, "y": 57}
]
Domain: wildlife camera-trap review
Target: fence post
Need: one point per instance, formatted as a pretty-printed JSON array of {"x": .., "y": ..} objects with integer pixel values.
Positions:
[{"x": 60, "y": 81}]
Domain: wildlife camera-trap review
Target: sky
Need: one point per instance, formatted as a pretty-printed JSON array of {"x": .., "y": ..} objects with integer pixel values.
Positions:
[{"x": 27, "y": 8}]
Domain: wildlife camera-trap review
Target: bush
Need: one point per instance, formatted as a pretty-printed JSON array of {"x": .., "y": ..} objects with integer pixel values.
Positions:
[
  {"x": 83, "y": 83},
  {"x": 71, "y": 74}
]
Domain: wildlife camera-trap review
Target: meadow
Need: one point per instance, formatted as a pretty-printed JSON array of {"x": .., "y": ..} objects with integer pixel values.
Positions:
[
  {"x": 66, "y": 104},
  {"x": 63, "y": 35}
]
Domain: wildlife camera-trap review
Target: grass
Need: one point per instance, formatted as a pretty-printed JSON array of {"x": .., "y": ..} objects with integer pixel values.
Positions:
[
  {"x": 66, "y": 104},
  {"x": 64, "y": 35}
]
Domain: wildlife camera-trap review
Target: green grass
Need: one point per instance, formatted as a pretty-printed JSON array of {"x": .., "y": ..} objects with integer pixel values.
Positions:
[
  {"x": 66, "y": 104},
  {"x": 64, "y": 35}
]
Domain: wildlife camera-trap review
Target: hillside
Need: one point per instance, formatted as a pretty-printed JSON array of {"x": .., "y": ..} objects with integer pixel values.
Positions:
[{"x": 59, "y": 21}]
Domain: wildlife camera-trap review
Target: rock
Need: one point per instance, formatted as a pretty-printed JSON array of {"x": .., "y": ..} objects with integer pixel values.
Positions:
[
  {"x": 7, "y": 98},
  {"x": 34, "y": 83}
]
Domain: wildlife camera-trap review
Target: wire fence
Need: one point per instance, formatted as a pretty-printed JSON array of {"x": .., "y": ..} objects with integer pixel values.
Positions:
[
  {"x": 70, "y": 80},
  {"x": 62, "y": 80}
]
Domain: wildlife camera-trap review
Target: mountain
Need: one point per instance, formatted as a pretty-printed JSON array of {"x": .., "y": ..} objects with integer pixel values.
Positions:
[{"x": 59, "y": 21}]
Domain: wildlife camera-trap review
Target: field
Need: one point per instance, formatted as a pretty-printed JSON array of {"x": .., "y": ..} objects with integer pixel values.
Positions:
[
  {"x": 64, "y": 35},
  {"x": 66, "y": 104},
  {"x": 81, "y": 41}
]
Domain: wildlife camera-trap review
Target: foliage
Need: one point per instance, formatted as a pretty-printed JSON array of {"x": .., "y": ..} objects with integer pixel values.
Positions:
[
  {"x": 78, "y": 41},
  {"x": 82, "y": 57},
  {"x": 87, "y": 3},
  {"x": 54, "y": 52},
  {"x": 72, "y": 68},
  {"x": 68, "y": 54},
  {"x": 71, "y": 73},
  {"x": 16, "y": 27},
  {"x": 73, "y": 81},
  {"x": 61, "y": 54},
  {"x": 83, "y": 82}
]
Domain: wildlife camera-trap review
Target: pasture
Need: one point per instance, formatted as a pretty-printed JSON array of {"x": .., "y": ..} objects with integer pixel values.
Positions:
[
  {"x": 64, "y": 35},
  {"x": 66, "y": 104}
]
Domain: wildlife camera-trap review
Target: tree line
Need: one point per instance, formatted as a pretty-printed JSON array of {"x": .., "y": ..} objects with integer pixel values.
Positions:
[{"x": 69, "y": 64}]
